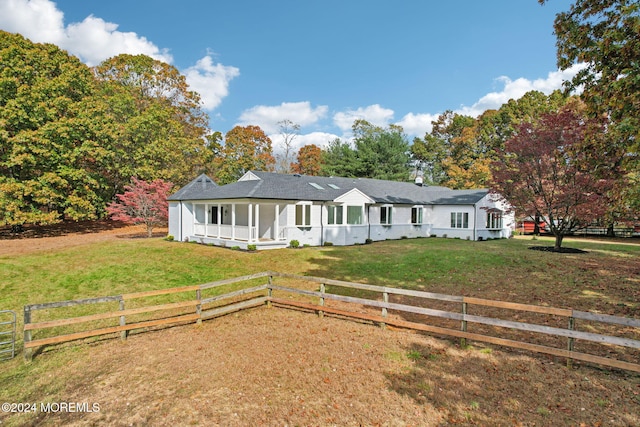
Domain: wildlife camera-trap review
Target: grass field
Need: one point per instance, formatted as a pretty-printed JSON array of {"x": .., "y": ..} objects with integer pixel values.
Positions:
[{"x": 606, "y": 279}]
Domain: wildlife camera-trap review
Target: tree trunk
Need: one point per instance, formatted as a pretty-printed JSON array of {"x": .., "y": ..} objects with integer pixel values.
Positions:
[
  {"x": 558, "y": 244},
  {"x": 610, "y": 231},
  {"x": 536, "y": 225},
  {"x": 149, "y": 230}
]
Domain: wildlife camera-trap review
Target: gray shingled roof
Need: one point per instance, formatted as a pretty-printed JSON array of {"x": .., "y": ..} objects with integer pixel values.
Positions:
[{"x": 316, "y": 188}]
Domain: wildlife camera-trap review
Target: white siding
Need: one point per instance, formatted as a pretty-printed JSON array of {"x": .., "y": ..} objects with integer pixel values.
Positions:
[
  {"x": 508, "y": 219},
  {"x": 442, "y": 221}
]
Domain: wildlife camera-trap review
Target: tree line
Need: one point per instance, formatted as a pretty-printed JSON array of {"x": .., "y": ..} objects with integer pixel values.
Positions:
[{"x": 72, "y": 137}]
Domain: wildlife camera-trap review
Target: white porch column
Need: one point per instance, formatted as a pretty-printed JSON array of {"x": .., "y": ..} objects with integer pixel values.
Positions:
[
  {"x": 249, "y": 219},
  {"x": 206, "y": 220},
  {"x": 276, "y": 225},
  {"x": 257, "y": 221},
  {"x": 220, "y": 216},
  {"x": 233, "y": 221}
]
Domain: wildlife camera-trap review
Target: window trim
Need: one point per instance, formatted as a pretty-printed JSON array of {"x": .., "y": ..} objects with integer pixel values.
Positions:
[
  {"x": 305, "y": 214},
  {"x": 388, "y": 216},
  {"x": 361, "y": 216},
  {"x": 335, "y": 209},
  {"x": 460, "y": 220},
  {"x": 419, "y": 215},
  {"x": 495, "y": 220}
]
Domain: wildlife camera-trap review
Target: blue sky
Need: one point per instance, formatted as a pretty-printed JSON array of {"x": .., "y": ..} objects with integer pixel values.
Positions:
[{"x": 321, "y": 64}]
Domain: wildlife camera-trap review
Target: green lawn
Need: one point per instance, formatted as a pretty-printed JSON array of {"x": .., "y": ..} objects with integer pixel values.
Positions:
[{"x": 606, "y": 278}]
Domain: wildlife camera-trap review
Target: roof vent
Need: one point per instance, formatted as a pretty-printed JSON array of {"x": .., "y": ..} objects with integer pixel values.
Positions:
[
  {"x": 419, "y": 181},
  {"x": 297, "y": 175}
]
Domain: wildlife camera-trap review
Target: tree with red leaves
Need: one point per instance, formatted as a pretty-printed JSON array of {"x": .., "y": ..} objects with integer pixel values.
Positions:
[
  {"x": 562, "y": 169},
  {"x": 142, "y": 203}
]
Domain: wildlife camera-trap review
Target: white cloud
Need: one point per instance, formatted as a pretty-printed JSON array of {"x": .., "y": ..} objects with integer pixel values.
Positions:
[
  {"x": 514, "y": 89},
  {"x": 417, "y": 124},
  {"x": 210, "y": 80},
  {"x": 38, "y": 20},
  {"x": 267, "y": 117},
  {"x": 374, "y": 114},
  {"x": 93, "y": 40},
  {"x": 321, "y": 139}
]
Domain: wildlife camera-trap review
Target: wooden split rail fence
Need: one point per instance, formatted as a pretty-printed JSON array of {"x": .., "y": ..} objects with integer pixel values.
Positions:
[{"x": 247, "y": 294}]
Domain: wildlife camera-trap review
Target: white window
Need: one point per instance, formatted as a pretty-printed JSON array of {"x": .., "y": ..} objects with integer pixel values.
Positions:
[
  {"x": 335, "y": 215},
  {"x": 459, "y": 220},
  {"x": 494, "y": 220},
  {"x": 416, "y": 215},
  {"x": 386, "y": 213},
  {"x": 354, "y": 215},
  {"x": 303, "y": 215}
]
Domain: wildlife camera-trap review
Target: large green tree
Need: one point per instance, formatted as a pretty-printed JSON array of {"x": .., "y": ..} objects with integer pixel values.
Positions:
[
  {"x": 49, "y": 145},
  {"x": 457, "y": 153},
  {"x": 339, "y": 159},
  {"x": 435, "y": 148},
  {"x": 604, "y": 35},
  {"x": 376, "y": 152},
  {"x": 157, "y": 128},
  {"x": 383, "y": 153}
]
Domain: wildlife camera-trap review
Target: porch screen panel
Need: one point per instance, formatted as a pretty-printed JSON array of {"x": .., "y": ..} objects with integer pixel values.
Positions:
[{"x": 200, "y": 213}]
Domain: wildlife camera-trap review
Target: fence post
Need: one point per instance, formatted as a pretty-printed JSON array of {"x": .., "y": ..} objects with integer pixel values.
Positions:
[
  {"x": 28, "y": 354},
  {"x": 199, "y": 306},
  {"x": 385, "y": 298},
  {"x": 572, "y": 325},
  {"x": 269, "y": 290},
  {"x": 463, "y": 326},
  {"x": 123, "y": 334},
  {"x": 321, "y": 303}
]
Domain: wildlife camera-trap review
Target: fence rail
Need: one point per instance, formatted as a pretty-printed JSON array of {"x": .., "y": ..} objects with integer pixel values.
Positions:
[{"x": 397, "y": 313}]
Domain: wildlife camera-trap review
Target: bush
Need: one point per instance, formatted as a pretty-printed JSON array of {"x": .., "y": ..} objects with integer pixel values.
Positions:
[
  {"x": 294, "y": 244},
  {"x": 235, "y": 248},
  {"x": 252, "y": 248},
  {"x": 368, "y": 241},
  {"x": 328, "y": 243},
  {"x": 169, "y": 238}
]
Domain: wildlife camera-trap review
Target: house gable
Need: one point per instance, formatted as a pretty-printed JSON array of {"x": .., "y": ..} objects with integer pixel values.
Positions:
[
  {"x": 355, "y": 197},
  {"x": 249, "y": 176}
]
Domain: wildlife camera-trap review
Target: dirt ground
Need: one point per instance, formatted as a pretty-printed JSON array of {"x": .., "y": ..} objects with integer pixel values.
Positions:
[
  {"x": 66, "y": 235},
  {"x": 282, "y": 367},
  {"x": 276, "y": 366}
]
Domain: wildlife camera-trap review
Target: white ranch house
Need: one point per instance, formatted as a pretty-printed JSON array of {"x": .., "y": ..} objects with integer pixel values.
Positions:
[{"x": 270, "y": 210}]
